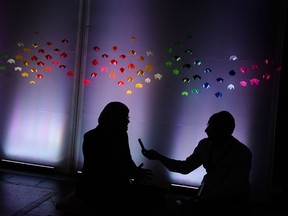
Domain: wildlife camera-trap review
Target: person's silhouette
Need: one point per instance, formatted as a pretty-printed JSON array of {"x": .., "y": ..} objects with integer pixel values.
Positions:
[
  {"x": 225, "y": 188},
  {"x": 109, "y": 175}
]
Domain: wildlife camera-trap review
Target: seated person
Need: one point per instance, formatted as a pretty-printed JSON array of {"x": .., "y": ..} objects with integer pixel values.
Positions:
[
  {"x": 109, "y": 173},
  {"x": 225, "y": 188}
]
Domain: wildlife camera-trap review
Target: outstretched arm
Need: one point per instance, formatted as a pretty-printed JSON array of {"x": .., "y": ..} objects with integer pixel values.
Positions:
[
  {"x": 151, "y": 154},
  {"x": 178, "y": 166}
]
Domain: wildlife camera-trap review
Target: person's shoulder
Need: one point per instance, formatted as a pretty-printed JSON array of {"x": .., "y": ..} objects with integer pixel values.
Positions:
[
  {"x": 204, "y": 142},
  {"x": 242, "y": 146},
  {"x": 90, "y": 132}
]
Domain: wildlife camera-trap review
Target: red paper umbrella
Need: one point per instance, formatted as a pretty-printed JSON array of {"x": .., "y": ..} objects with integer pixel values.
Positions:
[
  {"x": 94, "y": 62},
  {"x": 244, "y": 69},
  {"x": 120, "y": 83},
  {"x": 266, "y": 76},
  {"x": 254, "y": 81},
  {"x": 63, "y": 55},
  {"x": 41, "y": 51},
  {"x": 34, "y": 58},
  {"x": 62, "y": 66},
  {"x": 131, "y": 66},
  {"x": 40, "y": 64},
  {"x": 94, "y": 74},
  {"x": 39, "y": 76},
  {"x": 104, "y": 69},
  {"x": 48, "y": 57},
  {"x": 114, "y": 62},
  {"x": 86, "y": 82},
  {"x": 70, "y": 73}
]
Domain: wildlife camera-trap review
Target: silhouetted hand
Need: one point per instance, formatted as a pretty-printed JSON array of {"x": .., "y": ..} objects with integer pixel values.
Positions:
[
  {"x": 142, "y": 174},
  {"x": 151, "y": 154}
]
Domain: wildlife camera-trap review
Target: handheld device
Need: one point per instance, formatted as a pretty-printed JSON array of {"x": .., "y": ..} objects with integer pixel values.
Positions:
[{"x": 141, "y": 144}]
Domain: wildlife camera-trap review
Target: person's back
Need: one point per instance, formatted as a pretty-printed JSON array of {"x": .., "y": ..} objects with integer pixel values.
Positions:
[
  {"x": 107, "y": 161},
  {"x": 108, "y": 170},
  {"x": 108, "y": 165}
]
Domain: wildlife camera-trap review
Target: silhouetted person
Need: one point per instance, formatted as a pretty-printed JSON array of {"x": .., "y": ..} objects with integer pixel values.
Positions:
[
  {"x": 110, "y": 178},
  {"x": 225, "y": 188}
]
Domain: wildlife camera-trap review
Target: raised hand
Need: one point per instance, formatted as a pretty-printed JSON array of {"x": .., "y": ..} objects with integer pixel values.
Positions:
[{"x": 151, "y": 154}]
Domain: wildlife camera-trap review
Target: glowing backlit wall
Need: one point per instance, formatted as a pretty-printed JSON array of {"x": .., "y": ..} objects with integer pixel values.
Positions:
[
  {"x": 173, "y": 63},
  {"x": 183, "y": 62},
  {"x": 38, "y": 57}
]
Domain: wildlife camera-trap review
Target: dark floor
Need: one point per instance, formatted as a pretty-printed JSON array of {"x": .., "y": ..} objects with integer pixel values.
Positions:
[{"x": 34, "y": 194}]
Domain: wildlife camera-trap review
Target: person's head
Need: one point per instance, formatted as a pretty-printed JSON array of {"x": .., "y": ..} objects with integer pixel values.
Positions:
[
  {"x": 220, "y": 125},
  {"x": 115, "y": 115}
]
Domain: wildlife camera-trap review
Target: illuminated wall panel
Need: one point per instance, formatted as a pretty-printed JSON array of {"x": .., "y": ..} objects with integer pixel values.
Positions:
[{"x": 38, "y": 55}]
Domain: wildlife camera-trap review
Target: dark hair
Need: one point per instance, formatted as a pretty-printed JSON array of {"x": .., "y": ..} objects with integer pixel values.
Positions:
[
  {"x": 112, "y": 112},
  {"x": 224, "y": 120}
]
